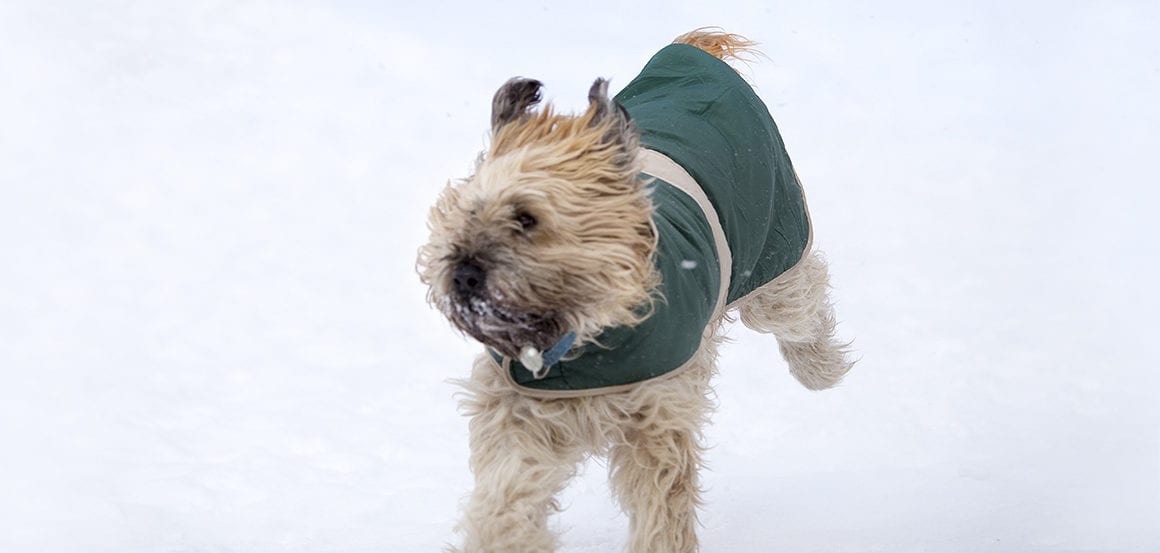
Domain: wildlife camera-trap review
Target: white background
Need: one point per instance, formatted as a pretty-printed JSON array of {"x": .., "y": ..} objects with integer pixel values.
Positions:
[{"x": 212, "y": 337}]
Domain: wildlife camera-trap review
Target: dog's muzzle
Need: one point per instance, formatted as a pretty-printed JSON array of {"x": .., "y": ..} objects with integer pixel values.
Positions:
[{"x": 496, "y": 321}]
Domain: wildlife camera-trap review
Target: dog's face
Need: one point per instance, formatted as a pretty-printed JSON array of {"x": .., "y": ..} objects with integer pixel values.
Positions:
[{"x": 551, "y": 234}]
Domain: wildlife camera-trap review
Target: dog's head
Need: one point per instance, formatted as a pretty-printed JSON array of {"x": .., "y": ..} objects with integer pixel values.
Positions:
[{"x": 551, "y": 234}]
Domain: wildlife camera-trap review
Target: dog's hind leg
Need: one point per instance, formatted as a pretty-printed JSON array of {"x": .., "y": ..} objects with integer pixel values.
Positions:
[
  {"x": 523, "y": 452},
  {"x": 796, "y": 309}
]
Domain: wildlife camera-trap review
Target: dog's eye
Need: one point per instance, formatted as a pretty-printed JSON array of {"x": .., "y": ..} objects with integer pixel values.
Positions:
[{"x": 525, "y": 220}]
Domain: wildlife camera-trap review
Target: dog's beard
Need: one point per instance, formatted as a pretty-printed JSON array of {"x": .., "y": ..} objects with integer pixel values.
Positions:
[{"x": 504, "y": 328}]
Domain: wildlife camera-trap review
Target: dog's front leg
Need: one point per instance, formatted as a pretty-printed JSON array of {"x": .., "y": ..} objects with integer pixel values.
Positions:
[
  {"x": 518, "y": 472},
  {"x": 654, "y": 473},
  {"x": 656, "y": 482},
  {"x": 521, "y": 457}
]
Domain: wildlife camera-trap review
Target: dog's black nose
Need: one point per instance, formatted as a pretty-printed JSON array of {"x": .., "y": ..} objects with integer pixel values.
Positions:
[{"x": 468, "y": 279}]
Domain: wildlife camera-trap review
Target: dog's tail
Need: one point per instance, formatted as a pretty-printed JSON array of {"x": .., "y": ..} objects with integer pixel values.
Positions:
[{"x": 714, "y": 40}]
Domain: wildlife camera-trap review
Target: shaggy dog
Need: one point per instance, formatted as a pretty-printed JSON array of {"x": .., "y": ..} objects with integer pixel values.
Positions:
[{"x": 597, "y": 256}]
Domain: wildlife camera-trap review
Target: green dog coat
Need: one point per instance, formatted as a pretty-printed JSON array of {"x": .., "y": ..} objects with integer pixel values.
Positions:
[{"x": 729, "y": 213}]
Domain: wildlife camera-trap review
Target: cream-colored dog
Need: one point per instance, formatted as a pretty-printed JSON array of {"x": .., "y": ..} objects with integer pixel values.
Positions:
[{"x": 597, "y": 257}]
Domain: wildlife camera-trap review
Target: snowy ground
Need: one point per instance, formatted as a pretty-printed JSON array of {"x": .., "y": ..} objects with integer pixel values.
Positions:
[{"x": 212, "y": 338}]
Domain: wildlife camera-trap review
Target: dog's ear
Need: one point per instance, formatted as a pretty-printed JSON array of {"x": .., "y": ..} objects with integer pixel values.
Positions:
[
  {"x": 604, "y": 109},
  {"x": 512, "y": 101}
]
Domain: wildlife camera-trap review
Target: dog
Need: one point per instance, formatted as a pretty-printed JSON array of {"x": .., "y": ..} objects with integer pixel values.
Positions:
[{"x": 597, "y": 257}]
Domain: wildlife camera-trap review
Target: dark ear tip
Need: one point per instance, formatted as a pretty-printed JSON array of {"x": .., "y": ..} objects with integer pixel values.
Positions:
[
  {"x": 522, "y": 88},
  {"x": 599, "y": 90},
  {"x": 513, "y": 99},
  {"x": 525, "y": 82}
]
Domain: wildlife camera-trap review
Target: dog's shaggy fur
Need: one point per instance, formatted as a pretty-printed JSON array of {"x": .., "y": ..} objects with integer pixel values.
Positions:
[{"x": 553, "y": 234}]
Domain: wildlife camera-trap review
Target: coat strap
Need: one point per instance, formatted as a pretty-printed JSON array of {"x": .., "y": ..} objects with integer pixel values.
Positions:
[{"x": 663, "y": 167}]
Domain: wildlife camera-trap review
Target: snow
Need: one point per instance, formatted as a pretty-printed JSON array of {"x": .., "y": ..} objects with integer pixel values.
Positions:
[{"x": 212, "y": 336}]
